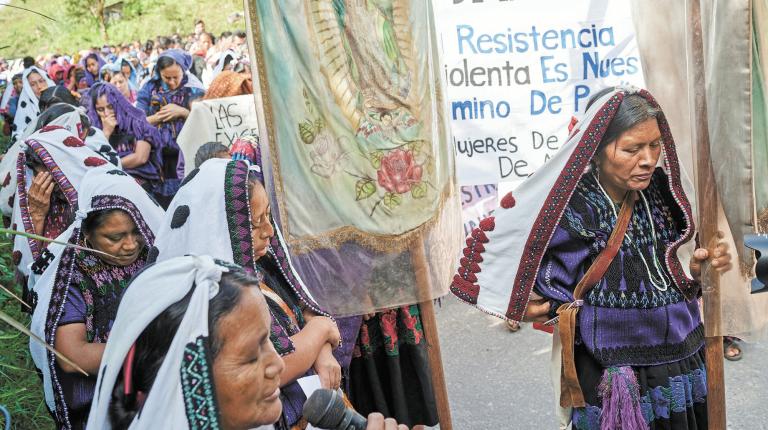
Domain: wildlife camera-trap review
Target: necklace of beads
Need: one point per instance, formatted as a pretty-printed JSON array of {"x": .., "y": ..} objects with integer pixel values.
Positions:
[{"x": 660, "y": 280}]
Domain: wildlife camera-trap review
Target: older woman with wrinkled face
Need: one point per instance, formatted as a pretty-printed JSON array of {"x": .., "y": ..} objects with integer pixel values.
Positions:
[
  {"x": 83, "y": 286},
  {"x": 638, "y": 329}
]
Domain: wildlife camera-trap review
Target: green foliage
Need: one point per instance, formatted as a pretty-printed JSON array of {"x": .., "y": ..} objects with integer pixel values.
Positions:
[
  {"x": 81, "y": 10},
  {"x": 21, "y": 390},
  {"x": 28, "y": 34}
]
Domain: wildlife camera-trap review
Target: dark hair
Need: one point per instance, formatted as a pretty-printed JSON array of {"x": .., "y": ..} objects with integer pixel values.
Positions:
[
  {"x": 55, "y": 94},
  {"x": 165, "y": 62},
  {"x": 28, "y": 62},
  {"x": 208, "y": 151},
  {"x": 97, "y": 218},
  {"x": 32, "y": 160},
  {"x": 16, "y": 77},
  {"x": 240, "y": 34},
  {"x": 633, "y": 110},
  {"x": 225, "y": 34},
  {"x": 199, "y": 21},
  {"x": 153, "y": 343},
  {"x": 57, "y": 109},
  {"x": 35, "y": 72},
  {"x": 213, "y": 38},
  {"x": 163, "y": 43}
]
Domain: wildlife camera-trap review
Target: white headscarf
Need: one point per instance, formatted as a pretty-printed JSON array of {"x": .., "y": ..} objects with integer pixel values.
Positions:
[
  {"x": 102, "y": 188},
  {"x": 223, "y": 59},
  {"x": 28, "y": 108},
  {"x": 502, "y": 259},
  {"x": 67, "y": 159},
  {"x": 7, "y": 95},
  {"x": 72, "y": 122},
  {"x": 211, "y": 215},
  {"x": 170, "y": 403}
]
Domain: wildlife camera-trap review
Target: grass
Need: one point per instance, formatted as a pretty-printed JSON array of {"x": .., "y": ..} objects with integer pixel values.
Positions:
[
  {"x": 25, "y": 33},
  {"x": 21, "y": 389}
]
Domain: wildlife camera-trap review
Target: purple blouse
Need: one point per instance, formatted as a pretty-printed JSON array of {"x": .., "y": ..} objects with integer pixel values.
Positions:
[{"x": 626, "y": 320}]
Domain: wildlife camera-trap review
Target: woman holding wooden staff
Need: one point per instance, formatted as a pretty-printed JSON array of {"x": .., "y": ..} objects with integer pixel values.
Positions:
[{"x": 602, "y": 240}]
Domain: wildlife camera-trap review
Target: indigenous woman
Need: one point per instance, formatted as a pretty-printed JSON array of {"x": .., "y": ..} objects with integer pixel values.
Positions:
[
  {"x": 127, "y": 69},
  {"x": 135, "y": 140},
  {"x": 190, "y": 348},
  {"x": 48, "y": 175},
  {"x": 223, "y": 210},
  {"x": 79, "y": 290},
  {"x": 92, "y": 64},
  {"x": 635, "y": 330},
  {"x": 60, "y": 110},
  {"x": 120, "y": 82},
  {"x": 166, "y": 100},
  {"x": 35, "y": 82}
]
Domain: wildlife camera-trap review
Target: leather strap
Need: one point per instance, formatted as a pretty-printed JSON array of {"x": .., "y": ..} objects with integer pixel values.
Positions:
[{"x": 570, "y": 390}]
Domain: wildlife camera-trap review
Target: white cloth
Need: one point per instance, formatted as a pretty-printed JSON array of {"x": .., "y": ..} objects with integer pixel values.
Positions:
[
  {"x": 72, "y": 122},
  {"x": 7, "y": 95},
  {"x": 503, "y": 255},
  {"x": 101, "y": 188},
  {"x": 28, "y": 108},
  {"x": 204, "y": 218},
  {"x": 68, "y": 159},
  {"x": 151, "y": 293}
]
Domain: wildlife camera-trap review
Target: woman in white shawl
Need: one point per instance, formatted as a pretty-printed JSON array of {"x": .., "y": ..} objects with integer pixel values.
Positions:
[
  {"x": 78, "y": 291},
  {"x": 35, "y": 82},
  {"x": 630, "y": 324},
  {"x": 48, "y": 175},
  {"x": 190, "y": 349},
  {"x": 222, "y": 210},
  {"x": 71, "y": 118}
]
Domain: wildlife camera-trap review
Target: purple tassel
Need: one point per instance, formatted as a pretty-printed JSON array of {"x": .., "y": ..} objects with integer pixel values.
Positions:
[{"x": 621, "y": 400}]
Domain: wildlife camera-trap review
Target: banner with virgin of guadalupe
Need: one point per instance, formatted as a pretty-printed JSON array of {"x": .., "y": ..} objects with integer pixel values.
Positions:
[{"x": 362, "y": 172}]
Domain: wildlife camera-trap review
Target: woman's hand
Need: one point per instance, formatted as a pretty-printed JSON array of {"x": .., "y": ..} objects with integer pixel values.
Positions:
[
  {"x": 108, "y": 124},
  {"x": 720, "y": 260},
  {"x": 376, "y": 421},
  {"x": 537, "y": 311},
  {"x": 39, "y": 201},
  {"x": 327, "y": 368},
  {"x": 329, "y": 327},
  {"x": 173, "y": 111}
]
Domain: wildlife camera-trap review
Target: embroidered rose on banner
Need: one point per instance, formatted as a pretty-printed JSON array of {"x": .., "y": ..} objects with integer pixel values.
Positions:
[{"x": 399, "y": 172}]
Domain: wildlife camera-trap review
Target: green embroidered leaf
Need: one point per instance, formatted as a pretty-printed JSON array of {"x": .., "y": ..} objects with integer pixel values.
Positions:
[
  {"x": 364, "y": 188},
  {"x": 375, "y": 158},
  {"x": 392, "y": 200},
  {"x": 419, "y": 190},
  {"x": 307, "y": 132},
  {"x": 319, "y": 125}
]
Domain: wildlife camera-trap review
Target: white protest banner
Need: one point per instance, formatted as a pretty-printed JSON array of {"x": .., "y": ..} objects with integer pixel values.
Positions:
[
  {"x": 517, "y": 70},
  {"x": 217, "y": 120}
]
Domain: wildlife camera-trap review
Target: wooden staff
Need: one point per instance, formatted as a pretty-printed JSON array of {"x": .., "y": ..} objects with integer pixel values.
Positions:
[
  {"x": 708, "y": 209},
  {"x": 429, "y": 324}
]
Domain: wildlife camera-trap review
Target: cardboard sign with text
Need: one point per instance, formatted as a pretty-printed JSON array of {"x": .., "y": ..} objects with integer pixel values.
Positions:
[{"x": 216, "y": 120}]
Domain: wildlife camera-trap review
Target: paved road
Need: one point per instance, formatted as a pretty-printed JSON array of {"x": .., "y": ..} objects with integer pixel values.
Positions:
[{"x": 500, "y": 380}]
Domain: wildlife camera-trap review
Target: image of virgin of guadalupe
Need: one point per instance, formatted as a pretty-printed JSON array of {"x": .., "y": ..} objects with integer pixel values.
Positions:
[{"x": 369, "y": 67}]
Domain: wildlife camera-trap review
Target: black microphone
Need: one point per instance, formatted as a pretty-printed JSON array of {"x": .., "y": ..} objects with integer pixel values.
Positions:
[{"x": 325, "y": 409}]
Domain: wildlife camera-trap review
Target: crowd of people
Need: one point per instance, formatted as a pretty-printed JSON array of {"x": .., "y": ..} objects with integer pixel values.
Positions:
[
  {"x": 175, "y": 301},
  {"x": 94, "y": 162}
]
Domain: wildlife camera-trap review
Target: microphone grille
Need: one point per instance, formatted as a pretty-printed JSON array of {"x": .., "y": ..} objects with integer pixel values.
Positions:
[{"x": 324, "y": 409}]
